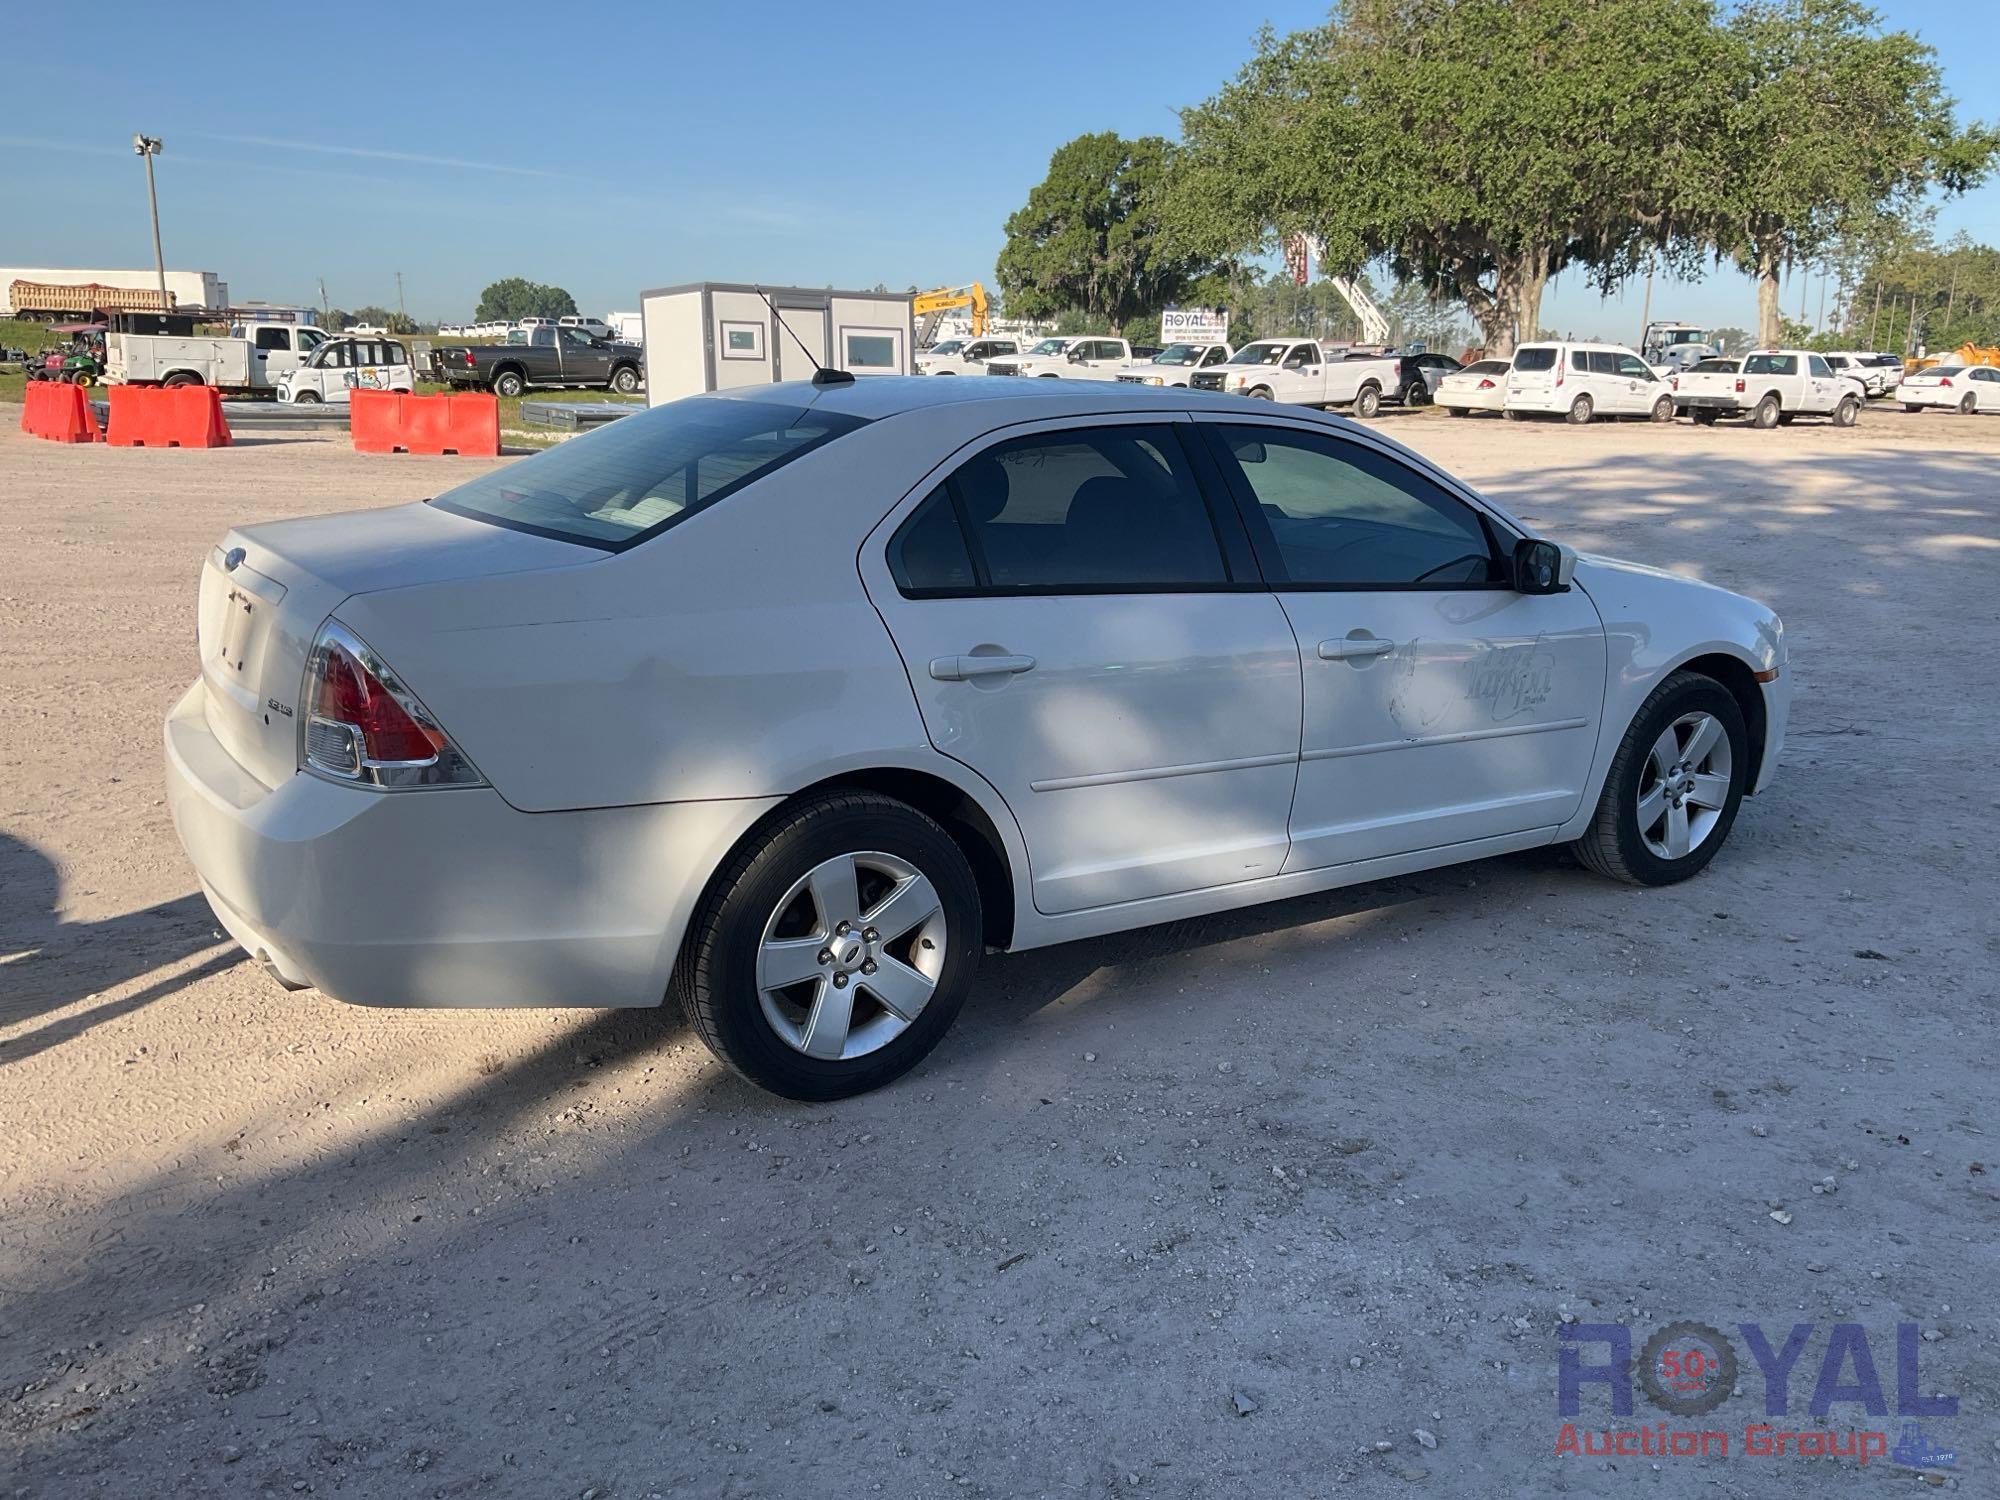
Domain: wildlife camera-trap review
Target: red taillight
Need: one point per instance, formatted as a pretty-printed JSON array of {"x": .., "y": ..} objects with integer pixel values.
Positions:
[
  {"x": 468, "y": 359},
  {"x": 1562, "y": 373},
  {"x": 1944, "y": 380},
  {"x": 1739, "y": 385},
  {"x": 362, "y": 725},
  {"x": 349, "y": 693}
]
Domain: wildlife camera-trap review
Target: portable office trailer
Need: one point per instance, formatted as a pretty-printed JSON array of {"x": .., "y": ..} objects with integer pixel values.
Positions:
[{"x": 716, "y": 335}]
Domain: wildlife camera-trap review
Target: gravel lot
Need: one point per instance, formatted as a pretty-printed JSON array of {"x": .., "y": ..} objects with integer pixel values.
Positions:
[{"x": 1233, "y": 1207}]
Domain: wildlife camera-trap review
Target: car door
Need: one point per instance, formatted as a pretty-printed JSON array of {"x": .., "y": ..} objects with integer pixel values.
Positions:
[
  {"x": 1986, "y": 388},
  {"x": 1086, "y": 632},
  {"x": 1610, "y": 390},
  {"x": 584, "y": 359},
  {"x": 1440, "y": 706},
  {"x": 1824, "y": 388},
  {"x": 1642, "y": 385}
]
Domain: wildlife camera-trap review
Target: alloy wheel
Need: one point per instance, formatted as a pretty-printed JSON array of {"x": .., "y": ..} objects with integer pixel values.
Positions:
[
  {"x": 1685, "y": 785},
  {"x": 851, "y": 955}
]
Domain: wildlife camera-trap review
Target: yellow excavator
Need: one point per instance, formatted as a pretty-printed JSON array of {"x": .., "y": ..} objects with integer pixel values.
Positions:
[{"x": 930, "y": 308}]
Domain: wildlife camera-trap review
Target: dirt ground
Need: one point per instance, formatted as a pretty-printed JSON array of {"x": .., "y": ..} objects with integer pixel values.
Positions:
[{"x": 1293, "y": 1202}]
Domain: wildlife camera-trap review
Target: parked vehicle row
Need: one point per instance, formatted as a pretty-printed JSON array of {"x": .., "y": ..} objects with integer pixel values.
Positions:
[
  {"x": 1302, "y": 372},
  {"x": 552, "y": 356}
]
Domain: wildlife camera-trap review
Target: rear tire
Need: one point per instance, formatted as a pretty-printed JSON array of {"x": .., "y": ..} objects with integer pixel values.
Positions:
[
  {"x": 1765, "y": 417},
  {"x": 1704, "y": 416},
  {"x": 771, "y": 911},
  {"x": 181, "y": 377},
  {"x": 1636, "y": 810},
  {"x": 1368, "y": 401},
  {"x": 1968, "y": 403},
  {"x": 1844, "y": 414},
  {"x": 1580, "y": 411},
  {"x": 508, "y": 383},
  {"x": 1912, "y": 406}
]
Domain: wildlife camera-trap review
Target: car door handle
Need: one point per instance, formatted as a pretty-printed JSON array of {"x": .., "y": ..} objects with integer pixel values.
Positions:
[
  {"x": 1347, "y": 650},
  {"x": 961, "y": 668}
]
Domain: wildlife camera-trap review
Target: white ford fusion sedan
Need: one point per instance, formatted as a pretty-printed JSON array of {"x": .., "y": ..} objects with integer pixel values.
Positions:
[{"x": 786, "y": 703}]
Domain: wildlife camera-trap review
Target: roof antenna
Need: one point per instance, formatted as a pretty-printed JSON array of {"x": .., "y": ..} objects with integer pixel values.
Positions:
[{"x": 821, "y": 374}]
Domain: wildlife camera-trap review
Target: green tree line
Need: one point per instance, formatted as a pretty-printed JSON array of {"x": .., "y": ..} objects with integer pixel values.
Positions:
[{"x": 1477, "y": 148}]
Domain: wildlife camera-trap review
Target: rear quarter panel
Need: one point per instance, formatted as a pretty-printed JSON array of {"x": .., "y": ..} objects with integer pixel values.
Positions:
[{"x": 734, "y": 655}]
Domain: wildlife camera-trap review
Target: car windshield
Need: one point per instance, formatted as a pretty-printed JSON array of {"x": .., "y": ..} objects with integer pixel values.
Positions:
[
  {"x": 1178, "y": 354},
  {"x": 949, "y": 346},
  {"x": 1259, "y": 354},
  {"x": 635, "y": 478},
  {"x": 1539, "y": 357},
  {"x": 1050, "y": 346}
]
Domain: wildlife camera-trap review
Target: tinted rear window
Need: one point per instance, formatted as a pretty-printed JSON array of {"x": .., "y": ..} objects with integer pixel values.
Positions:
[
  {"x": 632, "y": 480},
  {"x": 1534, "y": 359}
]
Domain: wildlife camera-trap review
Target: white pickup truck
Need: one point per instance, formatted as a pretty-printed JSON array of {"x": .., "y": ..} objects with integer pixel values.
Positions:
[
  {"x": 1300, "y": 373},
  {"x": 1174, "y": 364},
  {"x": 1085, "y": 357},
  {"x": 253, "y": 360},
  {"x": 968, "y": 356},
  {"x": 1770, "y": 387}
]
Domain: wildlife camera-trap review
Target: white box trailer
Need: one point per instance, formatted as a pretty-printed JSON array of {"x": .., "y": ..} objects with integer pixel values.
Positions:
[{"x": 718, "y": 335}]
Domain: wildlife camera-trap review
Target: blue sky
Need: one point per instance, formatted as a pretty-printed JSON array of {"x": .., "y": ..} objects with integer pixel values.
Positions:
[{"x": 648, "y": 144}]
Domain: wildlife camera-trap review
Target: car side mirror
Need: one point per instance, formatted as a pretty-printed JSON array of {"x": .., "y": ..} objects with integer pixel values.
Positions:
[{"x": 1542, "y": 567}]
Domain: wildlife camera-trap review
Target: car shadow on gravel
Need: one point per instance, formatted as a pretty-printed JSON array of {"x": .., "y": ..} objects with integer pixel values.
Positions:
[{"x": 48, "y": 965}]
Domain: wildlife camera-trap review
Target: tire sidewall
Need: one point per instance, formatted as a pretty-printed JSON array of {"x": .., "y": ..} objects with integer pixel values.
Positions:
[
  {"x": 738, "y": 921},
  {"x": 1663, "y": 409},
  {"x": 1766, "y": 413},
  {"x": 1368, "y": 402},
  {"x": 1581, "y": 410},
  {"x": 1685, "y": 693}
]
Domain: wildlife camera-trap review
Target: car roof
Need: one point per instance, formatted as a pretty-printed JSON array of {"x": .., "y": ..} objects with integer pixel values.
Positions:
[{"x": 1013, "y": 399}]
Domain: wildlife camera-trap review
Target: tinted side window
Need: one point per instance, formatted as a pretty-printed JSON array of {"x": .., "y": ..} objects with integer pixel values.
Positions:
[
  {"x": 274, "y": 338},
  {"x": 1603, "y": 362},
  {"x": 1771, "y": 364},
  {"x": 1633, "y": 368},
  {"x": 928, "y": 553},
  {"x": 1816, "y": 365},
  {"x": 1342, "y": 515},
  {"x": 1579, "y": 360},
  {"x": 1091, "y": 509},
  {"x": 1543, "y": 358}
]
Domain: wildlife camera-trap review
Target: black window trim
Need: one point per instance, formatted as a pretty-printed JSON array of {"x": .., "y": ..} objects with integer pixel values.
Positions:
[
  {"x": 1271, "y": 561},
  {"x": 1234, "y": 547}
]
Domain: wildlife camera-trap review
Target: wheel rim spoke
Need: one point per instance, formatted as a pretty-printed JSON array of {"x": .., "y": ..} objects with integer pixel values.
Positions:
[
  {"x": 825, "y": 1033},
  {"x": 912, "y": 901},
  {"x": 1666, "y": 753},
  {"x": 782, "y": 962},
  {"x": 835, "y": 893},
  {"x": 901, "y": 989},
  {"x": 1677, "y": 832},
  {"x": 1650, "y": 807},
  {"x": 1710, "y": 791},
  {"x": 1701, "y": 744}
]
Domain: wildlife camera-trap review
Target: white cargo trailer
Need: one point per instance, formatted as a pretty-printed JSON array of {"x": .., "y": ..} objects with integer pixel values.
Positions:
[{"x": 717, "y": 335}]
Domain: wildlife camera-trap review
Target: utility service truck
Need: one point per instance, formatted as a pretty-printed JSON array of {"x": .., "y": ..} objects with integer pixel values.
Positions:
[{"x": 1300, "y": 372}]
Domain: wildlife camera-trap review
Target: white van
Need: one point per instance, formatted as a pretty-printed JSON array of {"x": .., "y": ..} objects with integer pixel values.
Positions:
[
  {"x": 340, "y": 366},
  {"x": 1579, "y": 381},
  {"x": 597, "y": 328}
]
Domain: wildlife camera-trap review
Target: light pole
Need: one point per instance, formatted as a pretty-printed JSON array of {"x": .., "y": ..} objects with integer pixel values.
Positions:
[{"x": 148, "y": 146}]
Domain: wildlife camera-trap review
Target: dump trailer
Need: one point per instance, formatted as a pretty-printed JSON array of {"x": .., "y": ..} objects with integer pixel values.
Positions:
[{"x": 49, "y": 302}]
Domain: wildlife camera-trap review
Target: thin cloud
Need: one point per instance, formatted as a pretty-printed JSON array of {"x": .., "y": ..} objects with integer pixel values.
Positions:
[{"x": 412, "y": 158}]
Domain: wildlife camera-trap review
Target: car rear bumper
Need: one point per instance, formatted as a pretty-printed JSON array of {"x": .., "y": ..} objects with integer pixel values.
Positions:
[
  {"x": 442, "y": 897},
  {"x": 1556, "y": 400},
  {"x": 1707, "y": 403},
  {"x": 1927, "y": 395},
  {"x": 1493, "y": 400}
]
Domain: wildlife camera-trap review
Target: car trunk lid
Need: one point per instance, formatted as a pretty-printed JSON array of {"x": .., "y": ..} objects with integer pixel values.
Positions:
[{"x": 266, "y": 590}]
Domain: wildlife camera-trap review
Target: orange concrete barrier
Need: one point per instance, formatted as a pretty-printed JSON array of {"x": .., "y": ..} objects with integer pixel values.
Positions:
[
  {"x": 60, "y": 413},
  {"x": 174, "y": 416},
  {"x": 392, "y": 422}
]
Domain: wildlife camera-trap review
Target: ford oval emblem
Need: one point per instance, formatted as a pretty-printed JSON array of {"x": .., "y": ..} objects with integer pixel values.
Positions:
[{"x": 232, "y": 559}]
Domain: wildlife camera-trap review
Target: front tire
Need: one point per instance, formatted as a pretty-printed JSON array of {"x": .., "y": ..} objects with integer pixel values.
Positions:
[
  {"x": 1704, "y": 416},
  {"x": 1262, "y": 393},
  {"x": 1674, "y": 786},
  {"x": 305, "y": 398},
  {"x": 1663, "y": 409},
  {"x": 1844, "y": 415},
  {"x": 624, "y": 380},
  {"x": 834, "y": 949},
  {"x": 1457, "y": 411},
  {"x": 1913, "y": 406}
]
